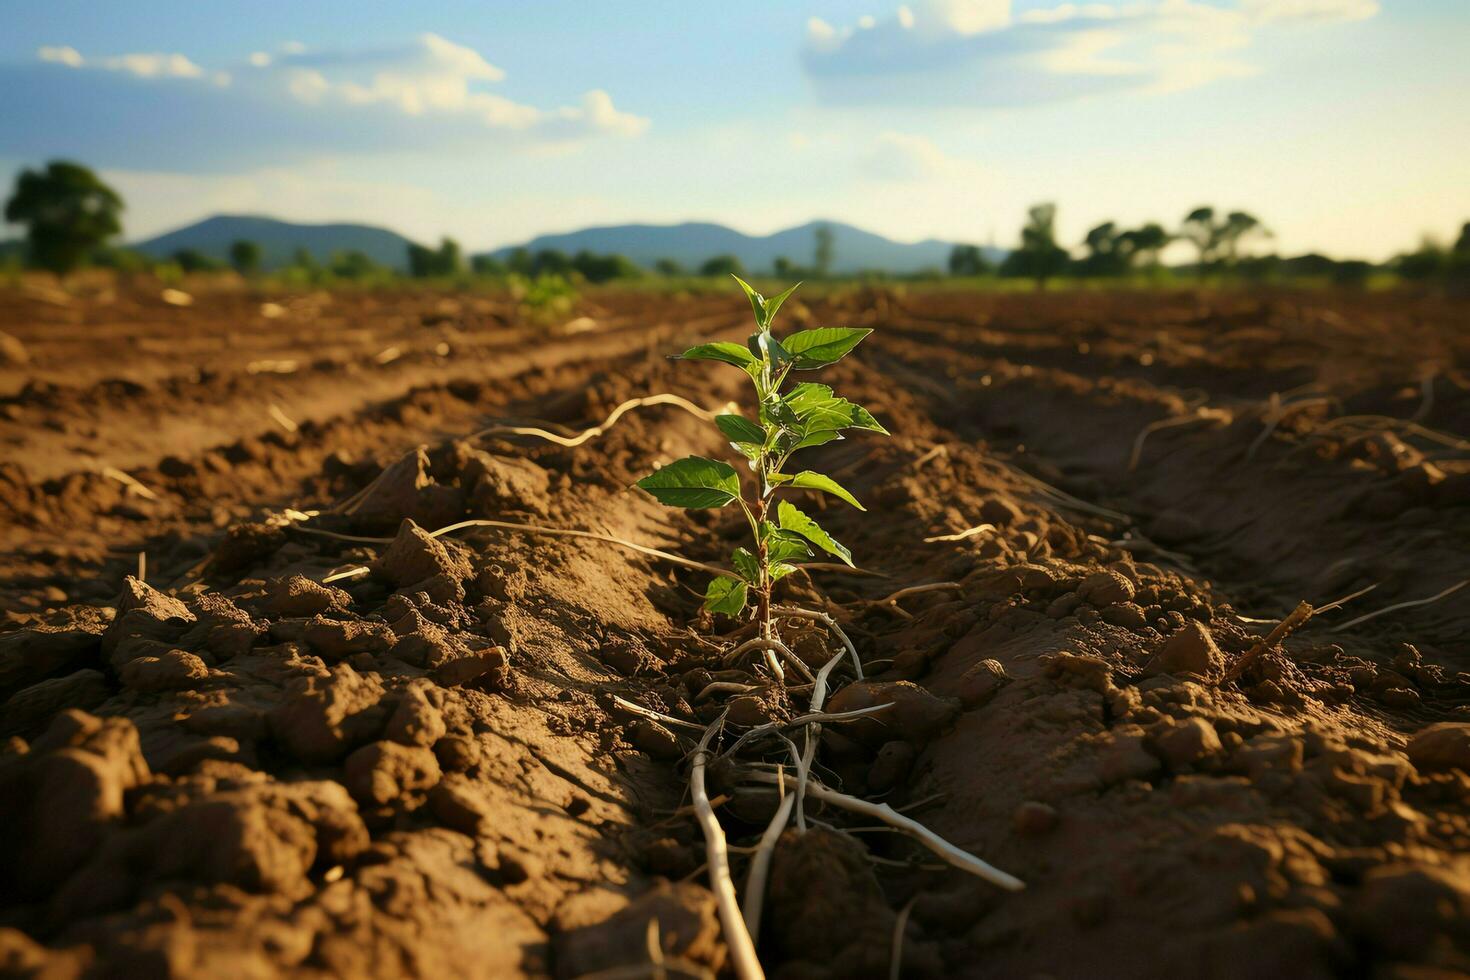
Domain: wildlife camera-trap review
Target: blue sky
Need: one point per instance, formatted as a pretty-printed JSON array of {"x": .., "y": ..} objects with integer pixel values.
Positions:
[{"x": 1339, "y": 122}]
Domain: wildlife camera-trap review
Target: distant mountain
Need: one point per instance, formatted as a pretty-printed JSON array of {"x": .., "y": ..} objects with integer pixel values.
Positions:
[
  {"x": 690, "y": 244},
  {"x": 279, "y": 239}
]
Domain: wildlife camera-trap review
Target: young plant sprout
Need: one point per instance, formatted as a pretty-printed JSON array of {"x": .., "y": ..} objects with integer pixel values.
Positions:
[{"x": 801, "y": 417}]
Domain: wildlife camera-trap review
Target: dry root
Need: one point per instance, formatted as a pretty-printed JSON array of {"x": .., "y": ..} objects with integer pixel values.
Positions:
[
  {"x": 742, "y": 948},
  {"x": 597, "y": 430},
  {"x": 1200, "y": 415},
  {"x": 1410, "y": 604},
  {"x": 794, "y": 782},
  {"x": 889, "y": 603}
]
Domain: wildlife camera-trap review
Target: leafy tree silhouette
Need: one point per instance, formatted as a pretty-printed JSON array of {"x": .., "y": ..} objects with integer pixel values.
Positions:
[
  {"x": 822, "y": 252},
  {"x": 1107, "y": 252},
  {"x": 67, "y": 210},
  {"x": 722, "y": 265},
  {"x": 1039, "y": 257},
  {"x": 487, "y": 265},
  {"x": 193, "y": 260},
  {"x": 967, "y": 260},
  {"x": 245, "y": 257},
  {"x": 1144, "y": 244},
  {"x": 1218, "y": 238},
  {"x": 425, "y": 262}
]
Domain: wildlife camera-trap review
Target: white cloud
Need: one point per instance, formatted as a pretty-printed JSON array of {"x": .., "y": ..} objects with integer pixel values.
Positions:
[
  {"x": 153, "y": 65},
  {"x": 63, "y": 55},
  {"x": 978, "y": 52},
  {"x": 434, "y": 77},
  {"x": 426, "y": 93},
  {"x": 144, "y": 65},
  {"x": 1309, "y": 11}
]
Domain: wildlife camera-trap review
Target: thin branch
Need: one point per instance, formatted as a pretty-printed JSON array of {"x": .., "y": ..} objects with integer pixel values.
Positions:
[{"x": 1283, "y": 629}]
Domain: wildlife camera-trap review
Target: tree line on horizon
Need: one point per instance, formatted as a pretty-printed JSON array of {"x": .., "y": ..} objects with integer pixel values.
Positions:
[{"x": 71, "y": 216}]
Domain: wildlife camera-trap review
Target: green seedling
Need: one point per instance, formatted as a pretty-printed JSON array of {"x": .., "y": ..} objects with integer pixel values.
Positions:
[{"x": 786, "y": 422}]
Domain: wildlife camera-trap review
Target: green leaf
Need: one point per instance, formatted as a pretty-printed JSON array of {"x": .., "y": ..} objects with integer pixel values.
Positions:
[
  {"x": 740, "y": 429},
  {"x": 746, "y": 564},
  {"x": 693, "y": 482},
  {"x": 862, "y": 419},
  {"x": 792, "y": 519},
  {"x": 819, "y": 409},
  {"x": 769, "y": 348},
  {"x": 780, "y": 571},
  {"x": 816, "y": 481},
  {"x": 757, "y": 301},
  {"x": 819, "y": 438},
  {"x": 724, "y": 350},
  {"x": 817, "y": 348},
  {"x": 750, "y": 450},
  {"x": 775, "y": 411},
  {"x": 772, "y": 305},
  {"x": 725, "y": 595},
  {"x": 786, "y": 545}
]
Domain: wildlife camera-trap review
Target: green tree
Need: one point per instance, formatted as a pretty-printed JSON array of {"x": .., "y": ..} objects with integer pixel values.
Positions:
[
  {"x": 451, "y": 259},
  {"x": 425, "y": 262},
  {"x": 1202, "y": 231},
  {"x": 1425, "y": 262},
  {"x": 1144, "y": 244},
  {"x": 487, "y": 265},
  {"x": 1218, "y": 239},
  {"x": 668, "y": 267},
  {"x": 1108, "y": 253},
  {"x": 604, "y": 268},
  {"x": 520, "y": 262},
  {"x": 968, "y": 260},
  {"x": 245, "y": 257},
  {"x": 823, "y": 250},
  {"x": 193, "y": 260},
  {"x": 303, "y": 259},
  {"x": 1354, "y": 273},
  {"x": 353, "y": 265},
  {"x": 1240, "y": 225},
  {"x": 551, "y": 261},
  {"x": 420, "y": 261},
  {"x": 67, "y": 210},
  {"x": 722, "y": 265},
  {"x": 1039, "y": 257}
]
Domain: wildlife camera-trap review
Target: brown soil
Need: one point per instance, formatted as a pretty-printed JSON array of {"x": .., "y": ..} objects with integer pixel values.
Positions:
[{"x": 237, "y": 770}]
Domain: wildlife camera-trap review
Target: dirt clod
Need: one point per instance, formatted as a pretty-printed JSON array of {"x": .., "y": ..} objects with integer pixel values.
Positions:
[{"x": 1442, "y": 746}]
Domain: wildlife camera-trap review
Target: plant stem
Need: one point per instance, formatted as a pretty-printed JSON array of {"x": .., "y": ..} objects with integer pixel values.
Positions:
[{"x": 763, "y": 590}]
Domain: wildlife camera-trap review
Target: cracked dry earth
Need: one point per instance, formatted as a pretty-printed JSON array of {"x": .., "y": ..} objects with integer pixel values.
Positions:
[{"x": 231, "y": 767}]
